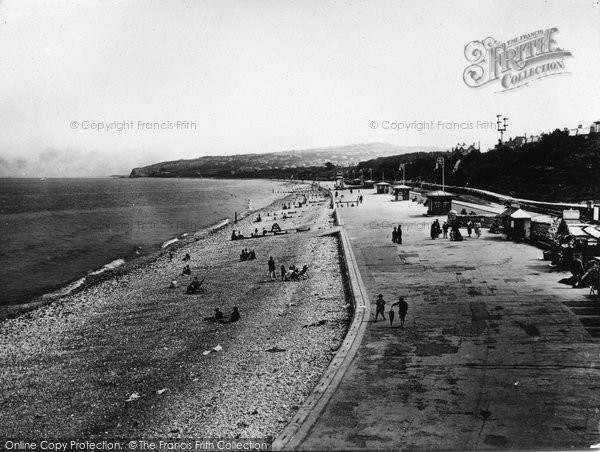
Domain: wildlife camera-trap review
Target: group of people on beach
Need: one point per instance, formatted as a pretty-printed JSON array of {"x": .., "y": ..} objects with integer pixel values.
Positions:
[
  {"x": 455, "y": 234},
  {"x": 293, "y": 273},
  {"x": 380, "y": 309},
  {"x": 220, "y": 318},
  {"x": 247, "y": 255}
]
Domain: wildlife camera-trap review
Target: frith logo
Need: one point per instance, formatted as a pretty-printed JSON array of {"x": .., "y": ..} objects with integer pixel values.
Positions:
[{"x": 514, "y": 63}]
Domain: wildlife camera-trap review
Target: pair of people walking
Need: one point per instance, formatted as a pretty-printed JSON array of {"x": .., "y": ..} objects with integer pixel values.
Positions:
[{"x": 402, "y": 309}]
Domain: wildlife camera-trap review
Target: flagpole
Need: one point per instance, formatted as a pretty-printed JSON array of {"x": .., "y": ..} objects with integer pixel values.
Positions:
[{"x": 441, "y": 160}]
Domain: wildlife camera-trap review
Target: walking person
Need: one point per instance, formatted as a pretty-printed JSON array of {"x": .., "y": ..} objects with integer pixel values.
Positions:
[
  {"x": 433, "y": 231},
  {"x": 469, "y": 227},
  {"x": 272, "y": 269},
  {"x": 391, "y": 314},
  {"x": 477, "y": 226},
  {"x": 394, "y": 235},
  {"x": 445, "y": 229},
  {"x": 402, "y": 309},
  {"x": 399, "y": 235},
  {"x": 283, "y": 278},
  {"x": 380, "y": 307}
]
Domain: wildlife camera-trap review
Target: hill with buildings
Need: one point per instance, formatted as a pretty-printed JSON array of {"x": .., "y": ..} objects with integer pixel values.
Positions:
[
  {"x": 559, "y": 166},
  {"x": 306, "y": 163}
]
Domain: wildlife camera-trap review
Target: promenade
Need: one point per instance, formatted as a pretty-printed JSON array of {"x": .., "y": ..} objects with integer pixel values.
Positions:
[{"x": 494, "y": 353}]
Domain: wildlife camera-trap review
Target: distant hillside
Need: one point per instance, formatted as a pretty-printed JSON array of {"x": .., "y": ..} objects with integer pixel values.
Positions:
[
  {"x": 275, "y": 164},
  {"x": 558, "y": 167}
]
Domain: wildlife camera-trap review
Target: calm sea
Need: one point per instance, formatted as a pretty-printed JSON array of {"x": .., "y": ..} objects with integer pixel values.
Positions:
[{"x": 56, "y": 231}]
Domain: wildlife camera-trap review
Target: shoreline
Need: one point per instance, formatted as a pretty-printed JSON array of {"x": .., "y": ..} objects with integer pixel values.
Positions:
[
  {"x": 97, "y": 276},
  {"x": 131, "y": 335}
]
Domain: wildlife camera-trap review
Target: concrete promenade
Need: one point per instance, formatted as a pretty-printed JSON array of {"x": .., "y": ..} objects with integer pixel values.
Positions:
[{"x": 495, "y": 353}]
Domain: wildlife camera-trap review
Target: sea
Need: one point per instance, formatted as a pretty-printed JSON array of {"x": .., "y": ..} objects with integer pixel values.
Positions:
[{"x": 56, "y": 231}]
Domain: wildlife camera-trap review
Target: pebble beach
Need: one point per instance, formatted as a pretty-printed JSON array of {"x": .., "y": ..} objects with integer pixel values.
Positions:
[{"x": 131, "y": 358}]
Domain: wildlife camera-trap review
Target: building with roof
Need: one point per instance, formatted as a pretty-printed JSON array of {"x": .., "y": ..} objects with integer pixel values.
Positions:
[
  {"x": 401, "y": 192},
  {"x": 516, "y": 223},
  {"x": 439, "y": 202},
  {"x": 382, "y": 188}
]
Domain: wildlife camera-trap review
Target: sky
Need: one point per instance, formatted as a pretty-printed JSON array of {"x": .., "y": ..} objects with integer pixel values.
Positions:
[{"x": 92, "y": 87}]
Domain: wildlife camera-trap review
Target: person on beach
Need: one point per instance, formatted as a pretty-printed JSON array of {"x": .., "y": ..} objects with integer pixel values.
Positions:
[
  {"x": 394, "y": 235},
  {"x": 283, "y": 277},
  {"x": 243, "y": 256},
  {"x": 251, "y": 255},
  {"x": 291, "y": 272},
  {"x": 194, "y": 286},
  {"x": 380, "y": 307},
  {"x": 577, "y": 269},
  {"x": 186, "y": 271},
  {"x": 445, "y": 229},
  {"x": 264, "y": 231},
  {"x": 272, "y": 269},
  {"x": 399, "y": 236},
  {"x": 432, "y": 231},
  {"x": 469, "y": 227},
  {"x": 477, "y": 227},
  {"x": 402, "y": 309},
  {"x": 173, "y": 284},
  {"x": 170, "y": 255},
  {"x": 391, "y": 314},
  {"x": 187, "y": 257},
  {"x": 218, "y": 317},
  {"x": 455, "y": 234},
  {"x": 235, "y": 315},
  {"x": 233, "y": 236}
]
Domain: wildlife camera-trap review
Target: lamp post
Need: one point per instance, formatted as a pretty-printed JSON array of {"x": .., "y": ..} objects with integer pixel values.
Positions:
[
  {"x": 502, "y": 125},
  {"x": 440, "y": 161}
]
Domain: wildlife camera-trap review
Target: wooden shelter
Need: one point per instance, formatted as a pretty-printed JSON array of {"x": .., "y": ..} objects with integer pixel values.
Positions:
[
  {"x": 516, "y": 223},
  {"x": 439, "y": 202},
  {"x": 369, "y": 183},
  {"x": 382, "y": 188},
  {"x": 401, "y": 192}
]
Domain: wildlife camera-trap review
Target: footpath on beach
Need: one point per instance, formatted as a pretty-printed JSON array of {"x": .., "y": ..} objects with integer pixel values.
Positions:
[{"x": 494, "y": 353}]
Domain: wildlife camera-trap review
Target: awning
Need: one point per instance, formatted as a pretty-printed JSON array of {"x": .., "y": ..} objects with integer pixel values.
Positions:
[
  {"x": 592, "y": 231},
  {"x": 577, "y": 231}
]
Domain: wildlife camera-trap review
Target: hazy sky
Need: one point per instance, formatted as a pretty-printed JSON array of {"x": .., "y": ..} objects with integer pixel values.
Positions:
[{"x": 262, "y": 76}]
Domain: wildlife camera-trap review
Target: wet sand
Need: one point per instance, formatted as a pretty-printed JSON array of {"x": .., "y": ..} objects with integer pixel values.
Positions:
[{"x": 131, "y": 358}]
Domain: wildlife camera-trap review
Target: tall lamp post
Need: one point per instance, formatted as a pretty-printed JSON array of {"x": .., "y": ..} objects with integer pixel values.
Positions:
[
  {"x": 502, "y": 125},
  {"x": 440, "y": 161}
]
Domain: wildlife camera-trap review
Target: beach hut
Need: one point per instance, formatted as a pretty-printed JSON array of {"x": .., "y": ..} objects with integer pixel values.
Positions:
[
  {"x": 382, "y": 188},
  {"x": 516, "y": 223},
  {"x": 369, "y": 183},
  {"x": 401, "y": 192},
  {"x": 439, "y": 202}
]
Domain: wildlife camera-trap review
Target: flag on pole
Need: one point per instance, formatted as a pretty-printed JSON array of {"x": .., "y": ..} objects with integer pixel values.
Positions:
[
  {"x": 455, "y": 169},
  {"x": 438, "y": 162}
]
